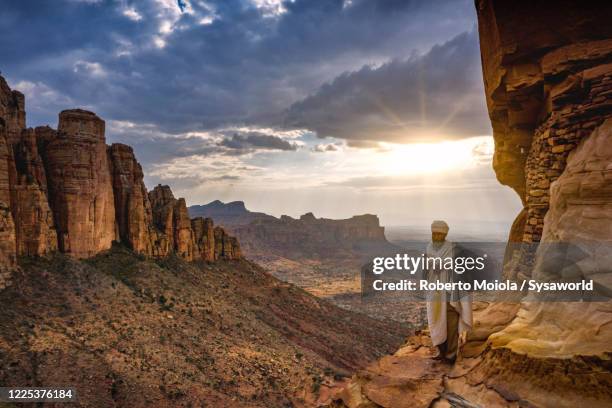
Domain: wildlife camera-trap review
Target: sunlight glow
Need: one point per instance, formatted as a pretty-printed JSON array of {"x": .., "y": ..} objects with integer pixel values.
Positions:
[{"x": 398, "y": 159}]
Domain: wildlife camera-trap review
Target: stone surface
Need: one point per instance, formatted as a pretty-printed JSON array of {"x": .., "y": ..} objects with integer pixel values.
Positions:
[
  {"x": 8, "y": 259},
  {"x": 80, "y": 184},
  {"x": 8, "y": 250},
  {"x": 34, "y": 224},
  {"x": 171, "y": 218},
  {"x": 547, "y": 87},
  {"x": 204, "y": 237},
  {"x": 12, "y": 111},
  {"x": 226, "y": 246},
  {"x": 191, "y": 239},
  {"x": 133, "y": 211},
  {"x": 409, "y": 378}
]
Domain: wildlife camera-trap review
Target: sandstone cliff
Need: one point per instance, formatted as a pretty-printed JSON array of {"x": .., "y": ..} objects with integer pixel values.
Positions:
[{"x": 67, "y": 190}]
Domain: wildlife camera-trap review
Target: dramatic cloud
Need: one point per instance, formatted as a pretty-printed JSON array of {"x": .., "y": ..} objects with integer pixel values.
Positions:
[
  {"x": 257, "y": 141},
  {"x": 435, "y": 96},
  {"x": 215, "y": 63},
  {"x": 229, "y": 99}
]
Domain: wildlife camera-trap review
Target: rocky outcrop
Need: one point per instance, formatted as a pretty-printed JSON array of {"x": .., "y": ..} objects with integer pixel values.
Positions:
[
  {"x": 192, "y": 239},
  {"x": 204, "y": 237},
  {"x": 226, "y": 246},
  {"x": 547, "y": 88},
  {"x": 67, "y": 190},
  {"x": 548, "y": 81},
  {"x": 80, "y": 184},
  {"x": 8, "y": 250},
  {"x": 170, "y": 216},
  {"x": 133, "y": 212},
  {"x": 35, "y": 229},
  {"x": 12, "y": 111}
]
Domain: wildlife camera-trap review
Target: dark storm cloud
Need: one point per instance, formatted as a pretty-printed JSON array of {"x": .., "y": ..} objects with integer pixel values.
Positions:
[
  {"x": 257, "y": 141},
  {"x": 219, "y": 63},
  {"x": 435, "y": 96}
]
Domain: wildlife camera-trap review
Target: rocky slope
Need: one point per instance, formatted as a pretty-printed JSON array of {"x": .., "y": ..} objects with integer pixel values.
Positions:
[
  {"x": 115, "y": 290},
  {"x": 67, "y": 190},
  {"x": 129, "y": 330},
  {"x": 548, "y": 78}
]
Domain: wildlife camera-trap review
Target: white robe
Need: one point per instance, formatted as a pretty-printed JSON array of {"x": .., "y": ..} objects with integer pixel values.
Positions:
[{"x": 436, "y": 300}]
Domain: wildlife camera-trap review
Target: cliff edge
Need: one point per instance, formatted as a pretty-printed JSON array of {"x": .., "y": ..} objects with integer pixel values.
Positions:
[{"x": 66, "y": 190}]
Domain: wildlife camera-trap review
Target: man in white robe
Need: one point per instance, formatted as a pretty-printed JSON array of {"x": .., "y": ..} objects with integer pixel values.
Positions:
[{"x": 449, "y": 314}]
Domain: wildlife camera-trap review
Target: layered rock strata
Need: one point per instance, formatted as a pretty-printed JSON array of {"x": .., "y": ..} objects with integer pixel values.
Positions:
[
  {"x": 548, "y": 81},
  {"x": 67, "y": 190},
  {"x": 547, "y": 87}
]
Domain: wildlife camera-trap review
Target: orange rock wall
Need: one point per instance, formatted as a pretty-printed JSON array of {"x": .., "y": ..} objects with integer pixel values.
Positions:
[{"x": 67, "y": 190}]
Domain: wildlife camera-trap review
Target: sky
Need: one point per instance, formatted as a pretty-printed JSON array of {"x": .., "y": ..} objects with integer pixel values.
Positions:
[{"x": 337, "y": 107}]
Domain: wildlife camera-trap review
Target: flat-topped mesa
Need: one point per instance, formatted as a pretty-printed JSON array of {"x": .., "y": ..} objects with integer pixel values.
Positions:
[
  {"x": 358, "y": 227},
  {"x": 80, "y": 184}
]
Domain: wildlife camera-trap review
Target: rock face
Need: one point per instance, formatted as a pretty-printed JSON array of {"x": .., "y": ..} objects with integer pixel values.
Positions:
[
  {"x": 546, "y": 88},
  {"x": 80, "y": 184},
  {"x": 67, "y": 190},
  {"x": 8, "y": 250},
  {"x": 548, "y": 80},
  {"x": 192, "y": 239},
  {"x": 35, "y": 230}
]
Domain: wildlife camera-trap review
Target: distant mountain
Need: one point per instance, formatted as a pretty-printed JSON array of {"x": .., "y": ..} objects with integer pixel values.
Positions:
[
  {"x": 262, "y": 235},
  {"x": 229, "y": 214}
]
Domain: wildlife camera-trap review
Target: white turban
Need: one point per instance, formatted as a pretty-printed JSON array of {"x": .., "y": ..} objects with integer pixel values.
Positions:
[{"x": 439, "y": 226}]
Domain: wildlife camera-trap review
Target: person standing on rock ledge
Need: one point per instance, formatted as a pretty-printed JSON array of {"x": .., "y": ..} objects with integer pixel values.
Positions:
[{"x": 449, "y": 314}]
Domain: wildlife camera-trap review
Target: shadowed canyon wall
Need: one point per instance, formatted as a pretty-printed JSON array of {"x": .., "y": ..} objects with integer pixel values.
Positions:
[{"x": 67, "y": 190}]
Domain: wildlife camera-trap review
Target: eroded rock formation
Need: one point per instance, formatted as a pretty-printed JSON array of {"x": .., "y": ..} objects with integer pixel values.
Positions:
[
  {"x": 547, "y": 85},
  {"x": 67, "y": 190}
]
